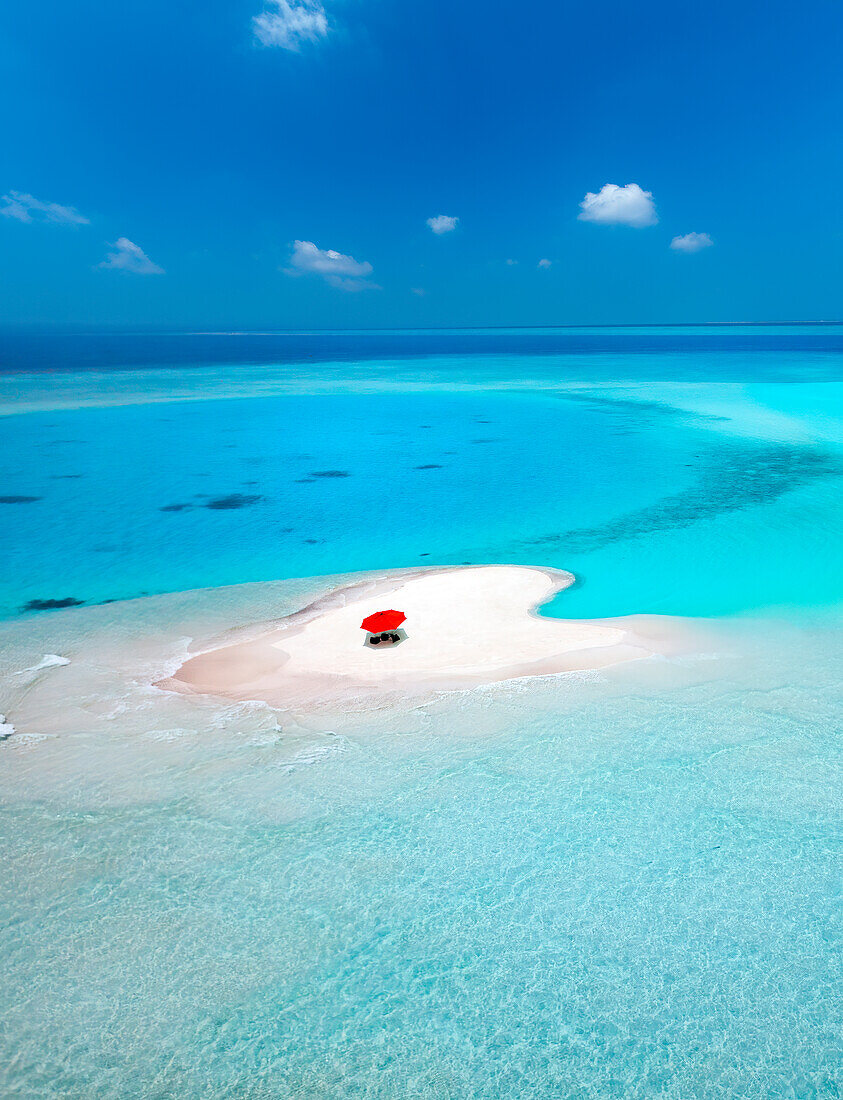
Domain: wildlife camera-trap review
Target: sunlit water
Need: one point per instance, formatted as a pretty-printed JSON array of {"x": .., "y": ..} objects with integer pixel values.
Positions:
[{"x": 616, "y": 884}]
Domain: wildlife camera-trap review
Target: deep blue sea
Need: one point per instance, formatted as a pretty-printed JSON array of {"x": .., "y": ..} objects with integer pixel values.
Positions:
[{"x": 616, "y": 884}]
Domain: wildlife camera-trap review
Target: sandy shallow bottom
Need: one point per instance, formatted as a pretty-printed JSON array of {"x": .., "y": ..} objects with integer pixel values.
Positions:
[{"x": 613, "y": 882}]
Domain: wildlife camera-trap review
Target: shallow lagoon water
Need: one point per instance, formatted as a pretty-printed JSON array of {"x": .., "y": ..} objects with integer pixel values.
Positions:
[
  {"x": 209, "y": 474},
  {"x": 622, "y": 883}
]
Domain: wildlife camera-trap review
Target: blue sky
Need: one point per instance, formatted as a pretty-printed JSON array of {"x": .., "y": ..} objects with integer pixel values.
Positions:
[{"x": 161, "y": 160}]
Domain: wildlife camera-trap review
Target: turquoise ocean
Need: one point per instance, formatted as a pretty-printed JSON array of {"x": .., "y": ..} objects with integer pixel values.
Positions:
[{"x": 625, "y": 883}]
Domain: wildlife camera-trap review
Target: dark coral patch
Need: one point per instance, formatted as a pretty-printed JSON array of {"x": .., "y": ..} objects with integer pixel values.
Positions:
[
  {"x": 65, "y": 477},
  {"x": 737, "y": 478},
  {"x": 18, "y": 500},
  {"x": 51, "y": 605},
  {"x": 330, "y": 473},
  {"x": 430, "y": 466},
  {"x": 175, "y": 508},
  {"x": 234, "y": 500}
]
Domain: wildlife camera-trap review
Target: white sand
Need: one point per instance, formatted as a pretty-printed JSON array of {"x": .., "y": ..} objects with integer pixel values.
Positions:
[{"x": 464, "y": 627}]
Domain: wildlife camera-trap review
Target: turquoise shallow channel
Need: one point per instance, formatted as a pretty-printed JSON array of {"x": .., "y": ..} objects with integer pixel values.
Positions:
[{"x": 613, "y": 884}]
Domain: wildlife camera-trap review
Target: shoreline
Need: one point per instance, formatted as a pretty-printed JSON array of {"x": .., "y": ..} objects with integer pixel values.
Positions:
[{"x": 467, "y": 626}]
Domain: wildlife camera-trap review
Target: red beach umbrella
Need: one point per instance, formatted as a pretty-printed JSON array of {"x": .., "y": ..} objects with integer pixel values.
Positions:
[{"x": 383, "y": 620}]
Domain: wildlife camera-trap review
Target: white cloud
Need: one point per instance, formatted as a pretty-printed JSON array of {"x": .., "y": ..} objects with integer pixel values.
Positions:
[
  {"x": 418, "y": 291},
  {"x": 511, "y": 263},
  {"x": 291, "y": 23},
  {"x": 691, "y": 242},
  {"x": 127, "y": 256},
  {"x": 343, "y": 272},
  {"x": 613, "y": 205},
  {"x": 442, "y": 223},
  {"x": 545, "y": 263},
  {"x": 26, "y": 208},
  {"x": 353, "y": 286}
]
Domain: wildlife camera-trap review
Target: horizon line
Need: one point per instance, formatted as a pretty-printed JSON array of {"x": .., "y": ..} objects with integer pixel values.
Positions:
[{"x": 77, "y": 329}]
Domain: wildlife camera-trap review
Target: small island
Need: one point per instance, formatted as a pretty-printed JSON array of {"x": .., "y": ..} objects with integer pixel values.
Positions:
[{"x": 465, "y": 627}]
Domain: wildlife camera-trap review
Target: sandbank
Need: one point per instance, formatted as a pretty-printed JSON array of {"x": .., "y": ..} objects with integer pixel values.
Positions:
[{"x": 465, "y": 627}]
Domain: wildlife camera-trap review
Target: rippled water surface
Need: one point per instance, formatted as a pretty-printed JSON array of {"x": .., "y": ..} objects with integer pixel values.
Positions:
[{"x": 616, "y": 884}]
